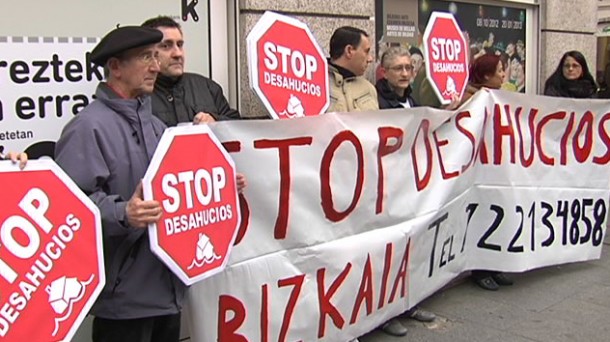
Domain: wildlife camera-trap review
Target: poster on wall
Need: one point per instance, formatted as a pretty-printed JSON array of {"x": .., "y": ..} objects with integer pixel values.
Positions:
[
  {"x": 488, "y": 28},
  {"x": 46, "y": 76},
  {"x": 399, "y": 23}
]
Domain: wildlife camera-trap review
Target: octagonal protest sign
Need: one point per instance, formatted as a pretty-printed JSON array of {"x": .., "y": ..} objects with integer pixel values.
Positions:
[
  {"x": 51, "y": 256},
  {"x": 193, "y": 178},
  {"x": 446, "y": 56},
  {"x": 287, "y": 68}
]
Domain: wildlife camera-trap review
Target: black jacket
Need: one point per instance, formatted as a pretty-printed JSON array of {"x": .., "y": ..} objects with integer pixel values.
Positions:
[
  {"x": 578, "y": 89},
  {"x": 178, "y": 100},
  {"x": 389, "y": 99}
]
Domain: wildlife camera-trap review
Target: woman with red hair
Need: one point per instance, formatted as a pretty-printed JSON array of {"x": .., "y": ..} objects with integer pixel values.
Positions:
[{"x": 486, "y": 72}]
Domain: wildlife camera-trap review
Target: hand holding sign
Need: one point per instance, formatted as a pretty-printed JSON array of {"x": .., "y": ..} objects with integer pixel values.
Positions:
[
  {"x": 203, "y": 118},
  {"x": 141, "y": 213},
  {"x": 15, "y": 157},
  {"x": 241, "y": 182}
]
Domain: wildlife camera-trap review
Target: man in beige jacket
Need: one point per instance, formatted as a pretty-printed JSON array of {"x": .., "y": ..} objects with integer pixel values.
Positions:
[{"x": 350, "y": 56}]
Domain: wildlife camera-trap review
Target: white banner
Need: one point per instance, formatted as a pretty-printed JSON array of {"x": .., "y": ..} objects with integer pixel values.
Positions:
[{"x": 350, "y": 219}]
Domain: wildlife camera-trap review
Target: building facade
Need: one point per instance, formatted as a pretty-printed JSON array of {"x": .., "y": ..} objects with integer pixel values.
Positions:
[{"x": 553, "y": 27}]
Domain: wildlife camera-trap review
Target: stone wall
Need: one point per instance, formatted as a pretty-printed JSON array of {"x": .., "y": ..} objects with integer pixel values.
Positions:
[{"x": 566, "y": 25}]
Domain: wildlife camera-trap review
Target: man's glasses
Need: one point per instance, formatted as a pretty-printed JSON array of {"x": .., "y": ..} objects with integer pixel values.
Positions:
[
  {"x": 400, "y": 68},
  {"x": 148, "y": 58}
]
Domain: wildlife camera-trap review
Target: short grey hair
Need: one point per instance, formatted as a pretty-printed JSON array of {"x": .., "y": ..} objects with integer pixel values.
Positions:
[{"x": 391, "y": 53}]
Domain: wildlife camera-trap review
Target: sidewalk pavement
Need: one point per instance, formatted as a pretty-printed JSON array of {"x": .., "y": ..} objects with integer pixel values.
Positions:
[{"x": 560, "y": 303}]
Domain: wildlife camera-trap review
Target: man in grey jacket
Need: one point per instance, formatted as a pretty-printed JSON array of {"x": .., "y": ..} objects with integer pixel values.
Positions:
[
  {"x": 106, "y": 150},
  {"x": 181, "y": 96}
]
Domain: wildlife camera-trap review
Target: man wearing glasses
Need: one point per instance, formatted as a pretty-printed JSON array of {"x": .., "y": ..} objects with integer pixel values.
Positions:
[
  {"x": 393, "y": 90},
  {"x": 106, "y": 150}
]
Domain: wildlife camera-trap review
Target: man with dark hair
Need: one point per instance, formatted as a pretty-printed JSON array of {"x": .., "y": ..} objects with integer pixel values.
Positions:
[
  {"x": 350, "y": 56},
  {"x": 106, "y": 150},
  {"x": 180, "y": 96}
]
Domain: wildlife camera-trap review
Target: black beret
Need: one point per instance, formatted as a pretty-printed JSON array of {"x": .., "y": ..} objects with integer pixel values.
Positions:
[{"x": 122, "y": 39}]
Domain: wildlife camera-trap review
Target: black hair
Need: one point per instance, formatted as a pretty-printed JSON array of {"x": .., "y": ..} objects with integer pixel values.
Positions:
[
  {"x": 415, "y": 51},
  {"x": 557, "y": 80},
  {"x": 342, "y": 37},
  {"x": 161, "y": 21}
]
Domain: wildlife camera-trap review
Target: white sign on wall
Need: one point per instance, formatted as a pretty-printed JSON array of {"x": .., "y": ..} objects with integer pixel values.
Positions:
[{"x": 45, "y": 75}]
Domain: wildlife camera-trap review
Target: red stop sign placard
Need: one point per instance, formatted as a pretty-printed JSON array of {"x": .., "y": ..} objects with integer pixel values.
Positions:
[
  {"x": 51, "y": 257},
  {"x": 446, "y": 55},
  {"x": 288, "y": 70},
  {"x": 193, "y": 178}
]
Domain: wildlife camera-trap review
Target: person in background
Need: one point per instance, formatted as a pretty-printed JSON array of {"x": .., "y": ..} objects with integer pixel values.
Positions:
[
  {"x": 486, "y": 72},
  {"x": 394, "y": 91},
  {"x": 417, "y": 60},
  {"x": 350, "y": 56},
  {"x": 571, "y": 78},
  {"x": 15, "y": 157},
  {"x": 182, "y": 96},
  {"x": 106, "y": 149}
]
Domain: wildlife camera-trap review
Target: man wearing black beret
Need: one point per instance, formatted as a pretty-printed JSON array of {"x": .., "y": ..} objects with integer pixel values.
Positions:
[{"x": 106, "y": 150}]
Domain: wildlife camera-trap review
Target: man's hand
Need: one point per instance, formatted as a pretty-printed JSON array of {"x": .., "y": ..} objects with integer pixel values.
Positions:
[
  {"x": 15, "y": 157},
  {"x": 203, "y": 118},
  {"x": 241, "y": 181},
  {"x": 140, "y": 212}
]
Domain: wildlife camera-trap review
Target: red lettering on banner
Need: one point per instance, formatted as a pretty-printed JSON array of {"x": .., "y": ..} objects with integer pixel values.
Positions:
[
  {"x": 482, "y": 151},
  {"x": 264, "y": 323},
  {"x": 543, "y": 157},
  {"x": 526, "y": 162},
  {"x": 387, "y": 265},
  {"x": 606, "y": 140},
  {"x": 586, "y": 123},
  {"x": 326, "y": 307},
  {"x": 401, "y": 276},
  {"x": 297, "y": 283},
  {"x": 283, "y": 146},
  {"x": 501, "y": 130},
  {"x": 227, "y": 329},
  {"x": 385, "y": 133},
  {"x": 235, "y": 146},
  {"x": 563, "y": 145},
  {"x": 365, "y": 292},
  {"x": 326, "y": 191},
  {"x": 439, "y": 143},
  {"x": 468, "y": 135},
  {"x": 245, "y": 214},
  {"x": 421, "y": 183}
]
